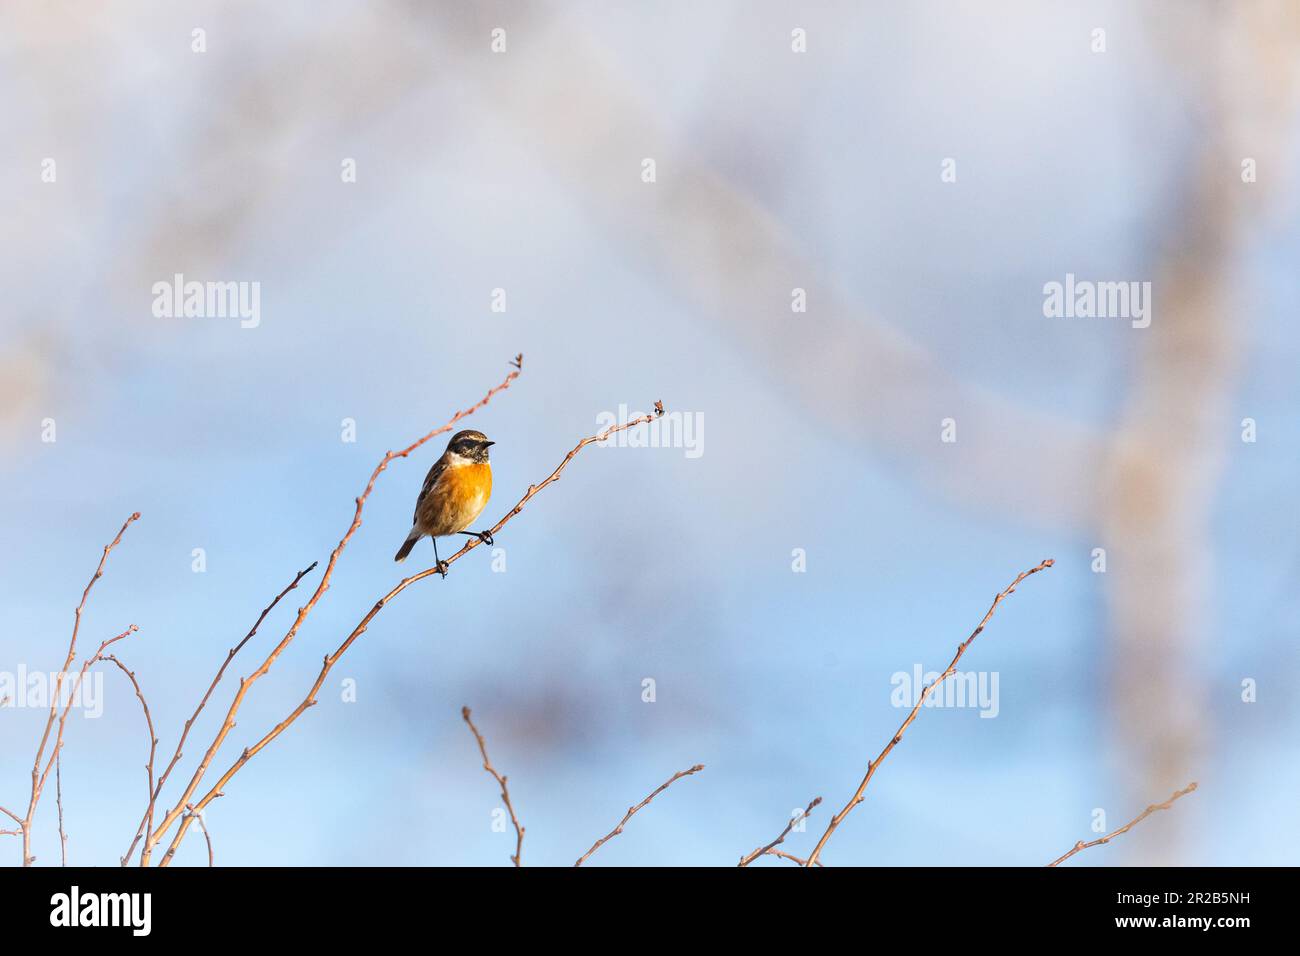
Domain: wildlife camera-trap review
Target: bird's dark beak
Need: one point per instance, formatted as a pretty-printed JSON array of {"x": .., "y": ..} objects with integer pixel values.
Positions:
[{"x": 487, "y": 443}]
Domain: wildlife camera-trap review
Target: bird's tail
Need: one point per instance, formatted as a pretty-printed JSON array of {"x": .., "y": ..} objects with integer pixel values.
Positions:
[{"x": 407, "y": 545}]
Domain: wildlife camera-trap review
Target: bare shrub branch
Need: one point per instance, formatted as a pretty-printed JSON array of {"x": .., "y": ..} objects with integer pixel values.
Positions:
[
  {"x": 146, "y": 821},
  {"x": 505, "y": 791},
  {"x": 246, "y": 683},
  {"x": 153, "y": 741},
  {"x": 203, "y": 826},
  {"x": 1126, "y": 827},
  {"x": 58, "y": 801},
  {"x": 39, "y": 778},
  {"x": 631, "y": 811},
  {"x": 925, "y": 692},
  {"x": 333, "y": 658},
  {"x": 791, "y": 857},
  {"x": 39, "y": 782},
  {"x": 751, "y": 857}
]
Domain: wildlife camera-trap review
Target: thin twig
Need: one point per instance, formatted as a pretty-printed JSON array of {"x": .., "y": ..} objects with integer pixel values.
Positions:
[
  {"x": 98, "y": 656},
  {"x": 38, "y": 778},
  {"x": 16, "y": 818},
  {"x": 146, "y": 821},
  {"x": 1126, "y": 827},
  {"x": 792, "y": 858},
  {"x": 750, "y": 858},
  {"x": 333, "y": 658},
  {"x": 203, "y": 826},
  {"x": 631, "y": 811},
  {"x": 925, "y": 692},
  {"x": 58, "y": 800},
  {"x": 505, "y": 791},
  {"x": 153, "y": 742}
]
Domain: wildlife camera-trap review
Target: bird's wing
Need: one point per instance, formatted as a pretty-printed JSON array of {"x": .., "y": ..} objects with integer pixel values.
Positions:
[{"x": 430, "y": 480}]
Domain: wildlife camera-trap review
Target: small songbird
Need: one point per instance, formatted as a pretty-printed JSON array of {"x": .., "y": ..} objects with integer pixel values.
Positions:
[{"x": 455, "y": 492}]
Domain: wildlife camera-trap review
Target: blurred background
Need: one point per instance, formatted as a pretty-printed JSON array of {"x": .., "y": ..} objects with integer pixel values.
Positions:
[{"x": 818, "y": 432}]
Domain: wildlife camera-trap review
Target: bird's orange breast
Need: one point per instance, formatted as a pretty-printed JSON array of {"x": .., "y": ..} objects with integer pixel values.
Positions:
[{"x": 458, "y": 498}]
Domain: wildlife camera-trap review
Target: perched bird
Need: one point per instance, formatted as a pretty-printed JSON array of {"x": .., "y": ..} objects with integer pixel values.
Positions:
[{"x": 455, "y": 492}]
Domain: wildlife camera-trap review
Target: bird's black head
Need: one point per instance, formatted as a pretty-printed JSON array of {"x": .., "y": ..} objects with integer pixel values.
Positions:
[{"x": 470, "y": 444}]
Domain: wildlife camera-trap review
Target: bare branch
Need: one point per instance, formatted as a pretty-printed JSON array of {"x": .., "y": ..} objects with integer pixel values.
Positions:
[
  {"x": 146, "y": 821},
  {"x": 631, "y": 811},
  {"x": 153, "y": 743},
  {"x": 38, "y": 779},
  {"x": 331, "y": 659},
  {"x": 1126, "y": 827},
  {"x": 925, "y": 692},
  {"x": 505, "y": 792},
  {"x": 792, "y": 858},
  {"x": 212, "y": 859},
  {"x": 245, "y": 684},
  {"x": 58, "y": 800},
  {"x": 750, "y": 858}
]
